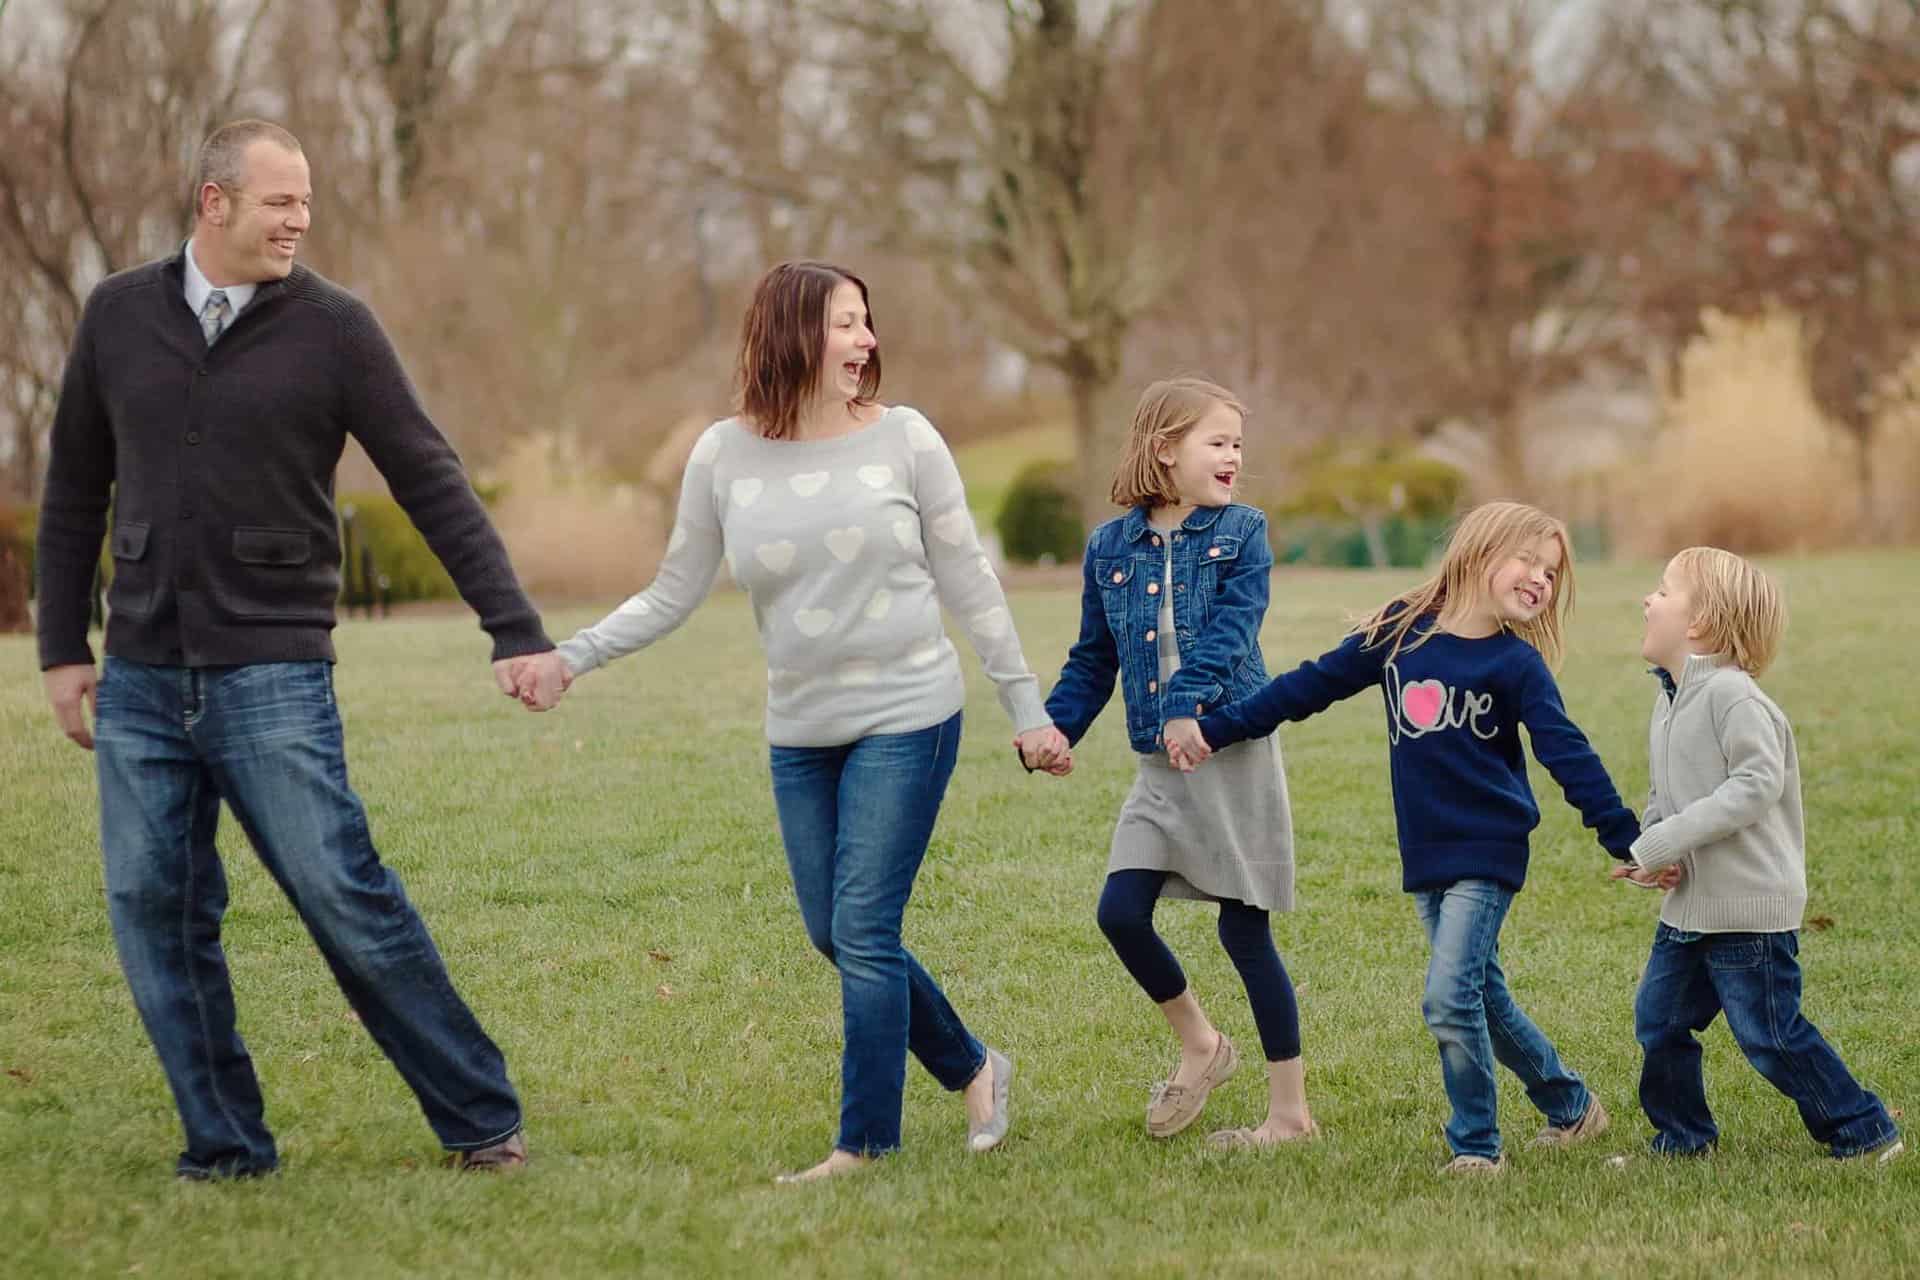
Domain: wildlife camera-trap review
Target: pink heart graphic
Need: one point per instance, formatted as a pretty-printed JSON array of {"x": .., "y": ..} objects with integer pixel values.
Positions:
[{"x": 1421, "y": 702}]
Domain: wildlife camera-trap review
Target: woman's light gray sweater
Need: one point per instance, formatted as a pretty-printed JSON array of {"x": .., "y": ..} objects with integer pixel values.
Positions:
[
  {"x": 1725, "y": 804},
  {"x": 847, "y": 548}
]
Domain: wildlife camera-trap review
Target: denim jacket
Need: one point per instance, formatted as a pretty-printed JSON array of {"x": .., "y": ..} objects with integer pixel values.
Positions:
[{"x": 1221, "y": 564}]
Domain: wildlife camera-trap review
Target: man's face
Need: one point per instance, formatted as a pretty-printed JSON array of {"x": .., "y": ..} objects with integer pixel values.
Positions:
[{"x": 249, "y": 235}]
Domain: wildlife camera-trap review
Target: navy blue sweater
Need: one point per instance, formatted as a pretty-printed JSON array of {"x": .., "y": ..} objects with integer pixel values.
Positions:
[{"x": 1454, "y": 710}]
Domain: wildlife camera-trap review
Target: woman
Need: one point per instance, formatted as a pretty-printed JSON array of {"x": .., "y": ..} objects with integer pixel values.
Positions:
[{"x": 846, "y": 522}]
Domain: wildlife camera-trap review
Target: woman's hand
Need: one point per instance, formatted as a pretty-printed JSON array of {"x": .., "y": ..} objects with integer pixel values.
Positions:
[
  {"x": 1045, "y": 748},
  {"x": 541, "y": 680}
]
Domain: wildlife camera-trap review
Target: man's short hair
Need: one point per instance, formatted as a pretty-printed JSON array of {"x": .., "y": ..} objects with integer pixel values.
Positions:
[{"x": 223, "y": 156}]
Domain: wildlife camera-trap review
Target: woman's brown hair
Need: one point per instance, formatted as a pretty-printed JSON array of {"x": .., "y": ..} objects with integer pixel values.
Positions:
[{"x": 782, "y": 339}]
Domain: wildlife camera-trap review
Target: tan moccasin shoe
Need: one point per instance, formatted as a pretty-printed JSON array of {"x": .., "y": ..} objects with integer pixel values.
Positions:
[{"x": 1174, "y": 1106}]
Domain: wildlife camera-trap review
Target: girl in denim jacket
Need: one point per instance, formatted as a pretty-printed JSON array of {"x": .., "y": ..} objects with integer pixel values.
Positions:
[{"x": 1174, "y": 594}]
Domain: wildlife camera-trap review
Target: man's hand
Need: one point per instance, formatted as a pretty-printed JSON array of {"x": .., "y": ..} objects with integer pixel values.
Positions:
[
  {"x": 70, "y": 690},
  {"x": 540, "y": 679}
]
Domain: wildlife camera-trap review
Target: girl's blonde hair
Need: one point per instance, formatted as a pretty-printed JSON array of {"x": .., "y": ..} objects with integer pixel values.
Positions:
[
  {"x": 1739, "y": 611},
  {"x": 1483, "y": 538},
  {"x": 1167, "y": 411}
]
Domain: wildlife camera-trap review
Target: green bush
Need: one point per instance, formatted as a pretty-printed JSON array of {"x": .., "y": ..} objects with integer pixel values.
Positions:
[
  {"x": 1039, "y": 523},
  {"x": 400, "y": 554},
  {"x": 1403, "y": 499}
]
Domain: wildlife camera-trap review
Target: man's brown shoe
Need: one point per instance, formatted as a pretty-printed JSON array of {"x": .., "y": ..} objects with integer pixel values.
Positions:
[{"x": 505, "y": 1156}]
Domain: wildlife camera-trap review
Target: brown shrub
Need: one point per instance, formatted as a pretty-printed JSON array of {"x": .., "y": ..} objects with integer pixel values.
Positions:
[{"x": 1746, "y": 460}]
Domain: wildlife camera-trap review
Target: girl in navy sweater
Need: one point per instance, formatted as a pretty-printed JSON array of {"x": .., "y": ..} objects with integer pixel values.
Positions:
[{"x": 1464, "y": 660}]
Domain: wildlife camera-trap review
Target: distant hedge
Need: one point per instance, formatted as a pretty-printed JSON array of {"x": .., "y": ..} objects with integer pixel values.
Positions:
[{"x": 1039, "y": 521}]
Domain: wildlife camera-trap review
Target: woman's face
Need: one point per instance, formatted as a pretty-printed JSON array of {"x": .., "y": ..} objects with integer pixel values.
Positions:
[{"x": 849, "y": 343}]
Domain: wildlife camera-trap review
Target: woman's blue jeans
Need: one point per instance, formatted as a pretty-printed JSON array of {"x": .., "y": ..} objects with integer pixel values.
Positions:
[
  {"x": 855, "y": 820},
  {"x": 1471, "y": 1013}
]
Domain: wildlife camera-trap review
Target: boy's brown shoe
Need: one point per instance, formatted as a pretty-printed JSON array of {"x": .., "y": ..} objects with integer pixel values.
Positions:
[
  {"x": 1476, "y": 1164},
  {"x": 1591, "y": 1124}
]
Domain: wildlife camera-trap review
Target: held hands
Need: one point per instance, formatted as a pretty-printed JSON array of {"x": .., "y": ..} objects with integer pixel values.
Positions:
[
  {"x": 1045, "y": 749},
  {"x": 1187, "y": 747},
  {"x": 1665, "y": 878},
  {"x": 536, "y": 679}
]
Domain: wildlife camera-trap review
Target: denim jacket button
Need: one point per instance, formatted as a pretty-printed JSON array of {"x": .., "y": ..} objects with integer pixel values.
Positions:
[
  {"x": 1118, "y": 576},
  {"x": 1151, "y": 633},
  {"x": 1212, "y": 551},
  {"x": 1153, "y": 686},
  {"x": 1153, "y": 588},
  {"x": 1199, "y": 708},
  {"x": 1156, "y": 539}
]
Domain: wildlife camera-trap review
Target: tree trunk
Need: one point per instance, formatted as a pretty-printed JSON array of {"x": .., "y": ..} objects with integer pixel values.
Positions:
[{"x": 1094, "y": 468}]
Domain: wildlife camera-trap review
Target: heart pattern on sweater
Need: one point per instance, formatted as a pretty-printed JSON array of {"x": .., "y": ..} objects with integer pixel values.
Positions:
[
  {"x": 813, "y": 623},
  {"x": 1422, "y": 701},
  {"x": 747, "y": 490},
  {"x": 777, "y": 556},
  {"x": 808, "y": 483},
  {"x": 903, "y": 534},
  {"x": 952, "y": 527},
  {"x": 876, "y": 476},
  {"x": 881, "y": 604},
  {"x": 990, "y": 623},
  {"x": 846, "y": 543},
  {"x": 922, "y": 436}
]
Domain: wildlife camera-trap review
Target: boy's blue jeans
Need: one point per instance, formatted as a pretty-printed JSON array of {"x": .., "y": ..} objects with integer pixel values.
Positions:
[
  {"x": 170, "y": 744},
  {"x": 1755, "y": 978},
  {"x": 855, "y": 820},
  {"x": 1471, "y": 1013}
]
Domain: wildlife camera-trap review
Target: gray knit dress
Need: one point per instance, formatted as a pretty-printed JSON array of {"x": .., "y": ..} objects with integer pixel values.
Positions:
[{"x": 1225, "y": 830}]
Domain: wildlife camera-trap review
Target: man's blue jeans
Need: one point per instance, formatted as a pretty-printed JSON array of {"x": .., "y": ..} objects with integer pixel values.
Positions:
[
  {"x": 171, "y": 744},
  {"x": 1471, "y": 1013},
  {"x": 1755, "y": 978},
  {"x": 855, "y": 820}
]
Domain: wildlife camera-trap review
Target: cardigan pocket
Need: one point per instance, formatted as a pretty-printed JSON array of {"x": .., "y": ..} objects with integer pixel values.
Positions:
[
  {"x": 131, "y": 591},
  {"x": 273, "y": 575}
]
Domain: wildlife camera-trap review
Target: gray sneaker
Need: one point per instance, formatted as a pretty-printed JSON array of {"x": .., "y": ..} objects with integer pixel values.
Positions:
[
  {"x": 985, "y": 1137},
  {"x": 504, "y": 1156}
]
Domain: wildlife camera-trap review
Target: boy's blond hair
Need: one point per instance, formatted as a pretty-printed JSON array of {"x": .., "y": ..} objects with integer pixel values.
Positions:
[
  {"x": 1168, "y": 409},
  {"x": 1739, "y": 611},
  {"x": 1485, "y": 536}
]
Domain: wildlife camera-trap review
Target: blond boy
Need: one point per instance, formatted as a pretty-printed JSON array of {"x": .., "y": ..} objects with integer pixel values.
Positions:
[{"x": 1723, "y": 833}]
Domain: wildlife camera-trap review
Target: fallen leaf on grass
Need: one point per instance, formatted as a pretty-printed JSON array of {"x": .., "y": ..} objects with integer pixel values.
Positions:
[
  {"x": 1820, "y": 924},
  {"x": 664, "y": 991},
  {"x": 660, "y": 956},
  {"x": 21, "y": 1074}
]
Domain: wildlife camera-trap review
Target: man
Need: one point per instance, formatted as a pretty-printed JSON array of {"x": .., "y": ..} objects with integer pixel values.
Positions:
[{"x": 209, "y": 396}]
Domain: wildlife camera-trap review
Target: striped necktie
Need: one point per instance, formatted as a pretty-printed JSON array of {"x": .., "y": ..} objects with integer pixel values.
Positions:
[{"x": 215, "y": 315}]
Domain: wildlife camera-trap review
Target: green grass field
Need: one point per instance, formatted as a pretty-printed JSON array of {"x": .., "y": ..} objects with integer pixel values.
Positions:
[{"x": 609, "y": 890}]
